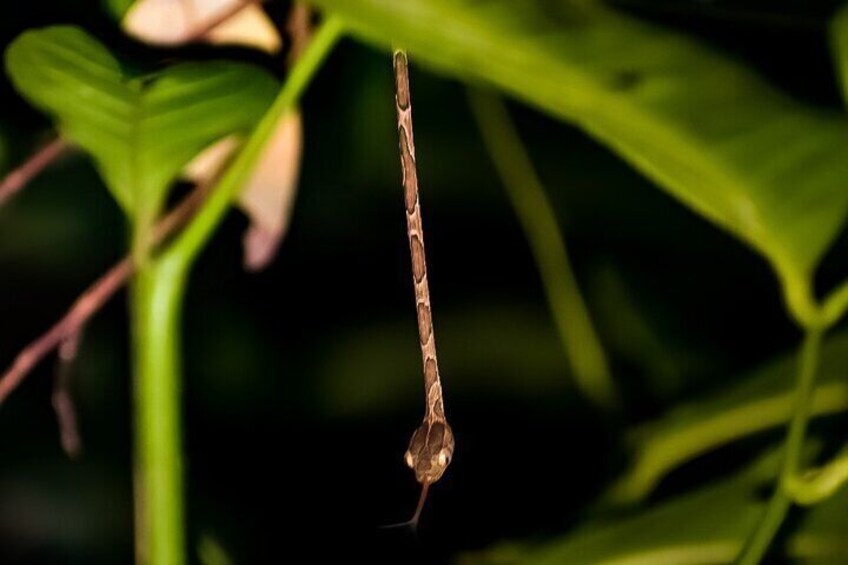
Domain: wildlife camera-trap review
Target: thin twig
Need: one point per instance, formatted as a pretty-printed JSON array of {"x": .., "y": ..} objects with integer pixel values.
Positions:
[
  {"x": 299, "y": 29},
  {"x": 757, "y": 545},
  {"x": 85, "y": 306},
  {"x": 63, "y": 400},
  {"x": 94, "y": 298},
  {"x": 40, "y": 160}
]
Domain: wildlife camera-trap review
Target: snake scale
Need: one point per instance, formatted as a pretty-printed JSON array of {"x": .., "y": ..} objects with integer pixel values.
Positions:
[{"x": 432, "y": 444}]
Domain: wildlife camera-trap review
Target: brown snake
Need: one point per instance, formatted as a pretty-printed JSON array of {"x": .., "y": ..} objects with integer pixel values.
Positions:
[{"x": 431, "y": 447}]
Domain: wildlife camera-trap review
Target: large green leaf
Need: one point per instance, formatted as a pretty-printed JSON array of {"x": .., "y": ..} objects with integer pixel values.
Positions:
[
  {"x": 705, "y": 527},
  {"x": 711, "y": 132},
  {"x": 760, "y": 401},
  {"x": 141, "y": 130}
]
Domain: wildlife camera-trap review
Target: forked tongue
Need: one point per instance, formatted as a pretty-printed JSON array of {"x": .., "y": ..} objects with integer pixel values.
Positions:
[{"x": 412, "y": 523}]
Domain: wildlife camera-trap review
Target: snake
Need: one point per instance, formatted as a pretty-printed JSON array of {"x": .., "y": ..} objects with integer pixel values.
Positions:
[{"x": 432, "y": 444}]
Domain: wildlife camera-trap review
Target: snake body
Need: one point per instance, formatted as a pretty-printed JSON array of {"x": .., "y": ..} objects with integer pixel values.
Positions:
[{"x": 431, "y": 447}]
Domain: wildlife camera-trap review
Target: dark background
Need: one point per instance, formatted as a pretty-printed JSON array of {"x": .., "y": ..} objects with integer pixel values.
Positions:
[{"x": 302, "y": 384}]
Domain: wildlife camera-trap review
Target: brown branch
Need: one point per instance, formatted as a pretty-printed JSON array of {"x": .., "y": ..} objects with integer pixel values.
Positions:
[
  {"x": 63, "y": 400},
  {"x": 40, "y": 160},
  {"x": 85, "y": 306},
  {"x": 94, "y": 298},
  {"x": 299, "y": 29}
]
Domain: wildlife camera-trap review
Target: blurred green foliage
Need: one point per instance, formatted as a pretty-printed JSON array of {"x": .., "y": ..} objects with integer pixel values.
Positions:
[
  {"x": 703, "y": 127},
  {"x": 141, "y": 128},
  {"x": 752, "y": 404},
  {"x": 708, "y": 525},
  {"x": 299, "y": 396}
]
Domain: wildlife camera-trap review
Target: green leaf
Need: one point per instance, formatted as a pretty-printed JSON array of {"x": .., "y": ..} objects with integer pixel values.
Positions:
[
  {"x": 708, "y": 526},
  {"x": 709, "y": 131},
  {"x": 141, "y": 130},
  {"x": 759, "y": 402}
]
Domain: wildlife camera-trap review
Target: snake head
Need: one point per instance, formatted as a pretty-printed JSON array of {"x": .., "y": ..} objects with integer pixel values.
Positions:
[{"x": 430, "y": 450}]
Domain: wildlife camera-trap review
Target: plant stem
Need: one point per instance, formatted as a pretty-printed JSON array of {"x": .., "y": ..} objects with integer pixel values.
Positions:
[
  {"x": 157, "y": 293},
  {"x": 15, "y": 181},
  {"x": 760, "y": 540},
  {"x": 815, "y": 485},
  {"x": 195, "y": 236},
  {"x": 90, "y": 302},
  {"x": 527, "y": 195},
  {"x": 63, "y": 399},
  {"x": 157, "y": 300},
  {"x": 835, "y": 304},
  {"x": 82, "y": 310}
]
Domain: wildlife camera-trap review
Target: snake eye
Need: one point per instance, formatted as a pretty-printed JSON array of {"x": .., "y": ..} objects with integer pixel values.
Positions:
[{"x": 409, "y": 461}]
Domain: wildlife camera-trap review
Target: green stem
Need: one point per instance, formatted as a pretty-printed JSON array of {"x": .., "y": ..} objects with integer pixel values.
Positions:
[
  {"x": 157, "y": 298},
  {"x": 760, "y": 540},
  {"x": 536, "y": 215},
  {"x": 815, "y": 485},
  {"x": 835, "y": 304},
  {"x": 798, "y": 296},
  {"x": 669, "y": 450},
  {"x": 157, "y": 294},
  {"x": 194, "y": 237},
  {"x": 143, "y": 227}
]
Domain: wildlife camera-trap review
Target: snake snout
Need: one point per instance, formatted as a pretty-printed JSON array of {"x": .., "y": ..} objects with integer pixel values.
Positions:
[{"x": 430, "y": 450}]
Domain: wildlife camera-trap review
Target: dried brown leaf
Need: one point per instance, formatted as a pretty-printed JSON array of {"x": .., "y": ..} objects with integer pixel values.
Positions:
[
  {"x": 175, "y": 22},
  {"x": 269, "y": 196}
]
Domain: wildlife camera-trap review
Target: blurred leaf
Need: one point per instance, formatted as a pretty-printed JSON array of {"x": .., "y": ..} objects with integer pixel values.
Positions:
[
  {"x": 210, "y": 552},
  {"x": 496, "y": 350},
  {"x": 708, "y": 130},
  {"x": 636, "y": 333},
  {"x": 759, "y": 402},
  {"x": 839, "y": 46},
  {"x": 49, "y": 503},
  {"x": 141, "y": 131},
  {"x": 707, "y": 526},
  {"x": 209, "y": 163},
  {"x": 117, "y": 8},
  {"x": 532, "y": 206},
  {"x": 268, "y": 198}
]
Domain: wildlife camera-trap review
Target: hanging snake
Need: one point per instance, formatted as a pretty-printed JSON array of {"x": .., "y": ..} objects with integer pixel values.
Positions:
[{"x": 431, "y": 447}]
